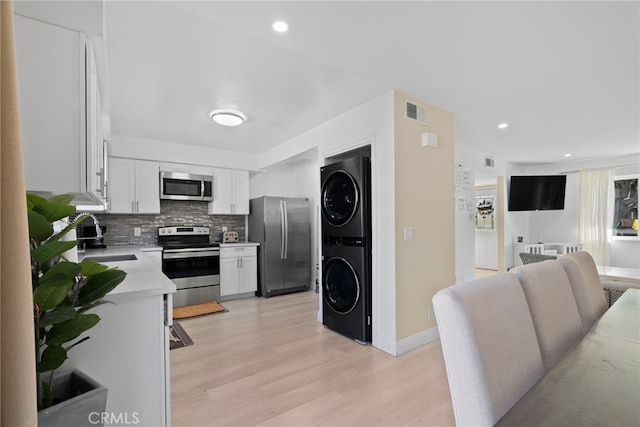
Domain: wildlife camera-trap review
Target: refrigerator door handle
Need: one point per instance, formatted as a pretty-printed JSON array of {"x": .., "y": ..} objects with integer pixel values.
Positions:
[
  {"x": 282, "y": 229},
  {"x": 286, "y": 230}
]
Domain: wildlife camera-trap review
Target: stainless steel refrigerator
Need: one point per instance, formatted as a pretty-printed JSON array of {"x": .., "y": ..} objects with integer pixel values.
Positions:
[{"x": 282, "y": 226}]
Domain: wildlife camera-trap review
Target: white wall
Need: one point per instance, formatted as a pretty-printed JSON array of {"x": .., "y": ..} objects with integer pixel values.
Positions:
[
  {"x": 553, "y": 226},
  {"x": 368, "y": 124},
  {"x": 165, "y": 151},
  {"x": 562, "y": 225},
  {"x": 464, "y": 227}
]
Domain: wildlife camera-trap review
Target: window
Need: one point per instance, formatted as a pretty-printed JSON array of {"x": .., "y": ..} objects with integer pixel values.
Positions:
[{"x": 625, "y": 212}]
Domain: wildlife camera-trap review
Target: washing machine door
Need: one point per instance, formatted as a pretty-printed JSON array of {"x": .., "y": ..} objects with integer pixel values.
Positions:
[
  {"x": 340, "y": 285},
  {"x": 340, "y": 198}
]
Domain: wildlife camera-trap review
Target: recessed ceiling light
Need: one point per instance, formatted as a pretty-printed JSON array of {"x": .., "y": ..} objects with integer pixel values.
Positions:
[
  {"x": 503, "y": 125},
  {"x": 568, "y": 155},
  {"x": 227, "y": 117},
  {"x": 280, "y": 26}
]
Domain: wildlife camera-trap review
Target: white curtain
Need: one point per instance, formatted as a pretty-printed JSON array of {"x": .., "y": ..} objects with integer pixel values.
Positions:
[{"x": 595, "y": 199}]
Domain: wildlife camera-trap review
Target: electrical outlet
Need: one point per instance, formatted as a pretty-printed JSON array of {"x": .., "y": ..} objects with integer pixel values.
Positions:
[
  {"x": 430, "y": 315},
  {"x": 137, "y": 231}
]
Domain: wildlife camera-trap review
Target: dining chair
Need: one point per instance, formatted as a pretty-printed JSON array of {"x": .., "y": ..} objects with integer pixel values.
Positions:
[
  {"x": 586, "y": 286},
  {"x": 490, "y": 347},
  {"x": 553, "y": 308}
]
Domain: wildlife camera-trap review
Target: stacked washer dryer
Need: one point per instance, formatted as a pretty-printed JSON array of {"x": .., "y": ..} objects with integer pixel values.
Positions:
[{"x": 346, "y": 247}]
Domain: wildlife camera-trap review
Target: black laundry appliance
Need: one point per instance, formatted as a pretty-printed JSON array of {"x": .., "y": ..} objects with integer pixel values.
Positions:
[
  {"x": 345, "y": 198},
  {"x": 346, "y": 287},
  {"x": 346, "y": 247}
]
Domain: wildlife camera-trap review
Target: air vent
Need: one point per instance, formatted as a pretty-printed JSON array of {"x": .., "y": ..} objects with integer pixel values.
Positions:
[
  {"x": 415, "y": 112},
  {"x": 489, "y": 162}
]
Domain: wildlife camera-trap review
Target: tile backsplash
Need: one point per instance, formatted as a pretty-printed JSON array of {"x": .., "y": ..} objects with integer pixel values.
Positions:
[{"x": 172, "y": 212}]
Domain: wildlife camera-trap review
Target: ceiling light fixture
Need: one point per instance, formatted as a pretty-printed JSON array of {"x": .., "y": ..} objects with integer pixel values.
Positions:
[
  {"x": 503, "y": 125},
  {"x": 280, "y": 27},
  {"x": 568, "y": 155},
  {"x": 228, "y": 117}
]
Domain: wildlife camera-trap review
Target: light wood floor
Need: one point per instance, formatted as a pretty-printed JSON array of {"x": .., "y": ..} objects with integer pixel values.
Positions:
[{"x": 268, "y": 362}]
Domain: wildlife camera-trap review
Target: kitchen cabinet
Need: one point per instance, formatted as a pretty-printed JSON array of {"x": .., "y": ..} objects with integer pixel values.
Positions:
[
  {"x": 134, "y": 186},
  {"x": 60, "y": 111},
  {"x": 230, "y": 192},
  {"x": 129, "y": 347},
  {"x": 238, "y": 271}
]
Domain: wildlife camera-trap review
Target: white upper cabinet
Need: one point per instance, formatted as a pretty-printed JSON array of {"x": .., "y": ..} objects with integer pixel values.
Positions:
[
  {"x": 60, "y": 111},
  {"x": 230, "y": 192},
  {"x": 134, "y": 186}
]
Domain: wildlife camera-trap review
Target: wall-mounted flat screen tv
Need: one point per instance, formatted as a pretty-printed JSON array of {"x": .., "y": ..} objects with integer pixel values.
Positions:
[{"x": 537, "y": 192}]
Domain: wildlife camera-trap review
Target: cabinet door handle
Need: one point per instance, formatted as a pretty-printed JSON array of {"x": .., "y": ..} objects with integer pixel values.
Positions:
[
  {"x": 240, "y": 262},
  {"x": 133, "y": 206},
  {"x": 137, "y": 206}
]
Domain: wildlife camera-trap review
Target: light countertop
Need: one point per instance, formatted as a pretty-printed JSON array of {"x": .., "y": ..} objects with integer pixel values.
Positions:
[{"x": 144, "y": 278}]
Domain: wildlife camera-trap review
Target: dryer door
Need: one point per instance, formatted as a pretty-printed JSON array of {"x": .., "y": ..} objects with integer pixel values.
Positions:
[
  {"x": 340, "y": 285},
  {"x": 340, "y": 198}
]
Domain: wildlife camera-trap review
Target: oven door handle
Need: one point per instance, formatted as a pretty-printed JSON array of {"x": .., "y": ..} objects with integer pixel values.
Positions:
[
  {"x": 176, "y": 250},
  {"x": 177, "y": 254}
]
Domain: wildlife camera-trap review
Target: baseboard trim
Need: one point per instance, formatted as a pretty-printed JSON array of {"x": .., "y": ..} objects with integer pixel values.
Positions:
[{"x": 414, "y": 341}]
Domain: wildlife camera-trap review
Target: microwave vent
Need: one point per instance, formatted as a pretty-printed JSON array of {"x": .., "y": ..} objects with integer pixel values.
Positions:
[{"x": 415, "y": 112}]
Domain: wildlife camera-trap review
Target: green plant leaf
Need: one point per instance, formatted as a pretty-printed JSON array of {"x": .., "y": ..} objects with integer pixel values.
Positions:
[
  {"x": 61, "y": 199},
  {"x": 54, "y": 211},
  {"x": 45, "y": 252},
  {"x": 99, "y": 285},
  {"x": 57, "y": 315},
  {"x": 39, "y": 228},
  {"x": 71, "y": 329},
  {"x": 91, "y": 268},
  {"x": 55, "y": 285},
  {"x": 52, "y": 358},
  {"x": 34, "y": 200},
  {"x": 47, "y": 398}
]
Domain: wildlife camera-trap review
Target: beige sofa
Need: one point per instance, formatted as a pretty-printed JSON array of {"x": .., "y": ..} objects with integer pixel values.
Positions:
[{"x": 500, "y": 334}]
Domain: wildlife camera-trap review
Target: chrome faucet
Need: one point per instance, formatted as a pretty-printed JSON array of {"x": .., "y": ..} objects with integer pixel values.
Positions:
[{"x": 95, "y": 222}]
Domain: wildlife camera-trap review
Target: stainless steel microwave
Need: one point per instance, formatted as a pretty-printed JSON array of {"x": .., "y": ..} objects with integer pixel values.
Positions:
[{"x": 186, "y": 186}]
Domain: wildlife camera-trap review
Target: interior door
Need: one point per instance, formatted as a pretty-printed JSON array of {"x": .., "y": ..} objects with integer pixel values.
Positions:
[{"x": 298, "y": 246}]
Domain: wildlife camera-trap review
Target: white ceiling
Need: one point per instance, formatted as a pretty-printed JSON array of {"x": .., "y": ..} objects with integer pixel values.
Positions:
[{"x": 564, "y": 75}]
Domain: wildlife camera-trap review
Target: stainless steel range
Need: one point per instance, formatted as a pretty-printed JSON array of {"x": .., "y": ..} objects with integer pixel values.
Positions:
[{"x": 192, "y": 263}]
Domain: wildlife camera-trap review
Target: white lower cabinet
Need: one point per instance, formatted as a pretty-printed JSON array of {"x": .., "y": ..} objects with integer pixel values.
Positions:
[
  {"x": 128, "y": 353},
  {"x": 238, "y": 271},
  {"x": 134, "y": 186}
]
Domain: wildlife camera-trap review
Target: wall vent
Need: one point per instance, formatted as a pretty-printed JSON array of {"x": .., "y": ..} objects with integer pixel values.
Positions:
[
  {"x": 415, "y": 112},
  {"x": 489, "y": 162}
]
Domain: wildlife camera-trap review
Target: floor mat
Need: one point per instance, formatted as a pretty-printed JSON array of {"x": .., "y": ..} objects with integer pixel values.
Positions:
[
  {"x": 178, "y": 337},
  {"x": 198, "y": 310}
]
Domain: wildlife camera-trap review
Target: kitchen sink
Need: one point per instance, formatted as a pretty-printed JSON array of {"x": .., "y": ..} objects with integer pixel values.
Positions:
[{"x": 111, "y": 258}]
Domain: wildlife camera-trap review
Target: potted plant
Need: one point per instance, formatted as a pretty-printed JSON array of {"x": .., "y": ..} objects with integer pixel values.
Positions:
[{"x": 63, "y": 294}]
